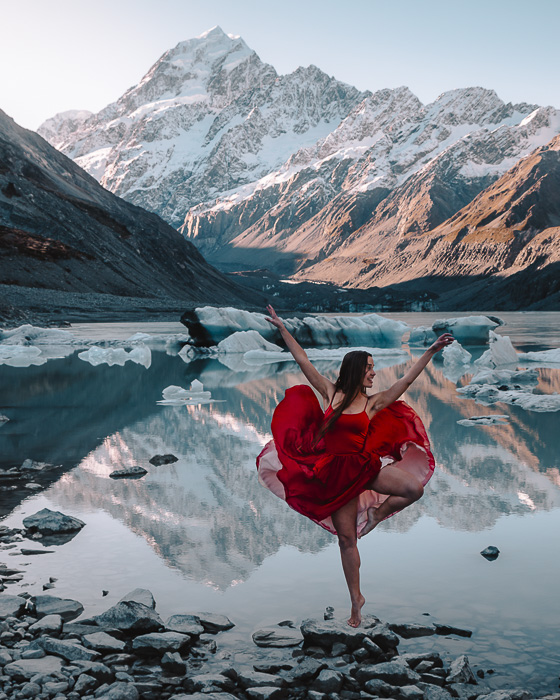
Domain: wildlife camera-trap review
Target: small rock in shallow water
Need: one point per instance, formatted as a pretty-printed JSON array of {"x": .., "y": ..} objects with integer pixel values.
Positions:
[
  {"x": 52, "y": 522},
  {"x": 51, "y": 605},
  {"x": 277, "y": 637},
  {"x": 130, "y": 472},
  {"x": 490, "y": 553},
  {"x": 141, "y": 595},
  {"x": 158, "y": 460}
]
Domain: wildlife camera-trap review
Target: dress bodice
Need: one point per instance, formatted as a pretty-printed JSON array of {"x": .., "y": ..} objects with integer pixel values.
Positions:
[{"x": 348, "y": 434}]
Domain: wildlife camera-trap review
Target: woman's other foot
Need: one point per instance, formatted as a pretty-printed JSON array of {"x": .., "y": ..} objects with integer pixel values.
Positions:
[
  {"x": 355, "y": 618},
  {"x": 372, "y": 522}
]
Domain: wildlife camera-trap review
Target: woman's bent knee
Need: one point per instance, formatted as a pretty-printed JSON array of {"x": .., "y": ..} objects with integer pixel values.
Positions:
[
  {"x": 416, "y": 491},
  {"x": 347, "y": 541}
]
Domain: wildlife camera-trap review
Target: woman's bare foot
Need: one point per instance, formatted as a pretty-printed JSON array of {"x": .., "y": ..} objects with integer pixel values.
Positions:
[
  {"x": 372, "y": 522},
  {"x": 356, "y": 613}
]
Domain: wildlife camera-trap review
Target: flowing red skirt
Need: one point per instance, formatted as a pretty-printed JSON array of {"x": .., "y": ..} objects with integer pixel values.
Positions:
[{"x": 316, "y": 480}]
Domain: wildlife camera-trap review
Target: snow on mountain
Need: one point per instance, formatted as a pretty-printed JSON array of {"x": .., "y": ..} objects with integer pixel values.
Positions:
[{"x": 207, "y": 117}]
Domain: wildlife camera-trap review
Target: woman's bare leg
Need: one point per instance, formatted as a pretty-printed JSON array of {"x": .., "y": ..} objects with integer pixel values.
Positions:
[
  {"x": 344, "y": 521},
  {"x": 404, "y": 489}
]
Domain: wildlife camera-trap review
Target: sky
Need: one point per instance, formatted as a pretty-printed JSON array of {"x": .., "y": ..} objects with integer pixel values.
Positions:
[{"x": 57, "y": 55}]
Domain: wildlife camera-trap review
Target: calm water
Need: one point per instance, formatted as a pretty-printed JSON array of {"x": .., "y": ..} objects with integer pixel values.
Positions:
[{"x": 202, "y": 534}]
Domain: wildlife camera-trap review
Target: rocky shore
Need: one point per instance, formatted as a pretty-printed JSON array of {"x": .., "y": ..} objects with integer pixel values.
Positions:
[{"x": 130, "y": 653}]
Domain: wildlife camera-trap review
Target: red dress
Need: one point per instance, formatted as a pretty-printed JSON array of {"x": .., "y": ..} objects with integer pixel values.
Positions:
[{"x": 317, "y": 480}]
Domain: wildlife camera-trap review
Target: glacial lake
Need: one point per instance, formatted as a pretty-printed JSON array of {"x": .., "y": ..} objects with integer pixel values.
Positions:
[{"x": 202, "y": 534}]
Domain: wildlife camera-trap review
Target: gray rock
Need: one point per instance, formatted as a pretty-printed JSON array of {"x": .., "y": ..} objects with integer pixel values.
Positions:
[
  {"x": 76, "y": 629},
  {"x": 49, "y": 623},
  {"x": 450, "y": 629},
  {"x": 159, "y": 643},
  {"x": 172, "y": 663},
  {"x": 5, "y": 657},
  {"x": 130, "y": 616},
  {"x": 464, "y": 691},
  {"x": 248, "y": 678},
  {"x": 11, "y": 606},
  {"x": 410, "y": 692},
  {"x": 379, "y": 688},
  {"x": 361, "y": 654},
  {"x": 414, "y": 659},
  {"x": 55, "y": 687},
  {"x": 396, "y": 672},
  {"x": 158, "y": 460},
  {"x": 95, "y": 669},
  {"x": 30, "y": 690},
  {"x": 140, "y": 595},
  {"x": 460, "y": 671},
  {"x": 274, "y": 666},
  {"x": 67, "y": 648},
  {"x": 129, "y": 472},
  {"x": 209, "y": 682},
  {"x": 277, "y": 636},
  {"x": 52, "y": 522},
  {"x": 101, "y": 641},
  {"x": 214, "y": 623},
  {"x": 383, "y": 636},
  {"x": 120, "y": 691},
  {"x": 306, "y": 671},
  {"x": 410, "y": 630},
  {"x": 33, "y": 653},
  {"x": 339, "y": 649},
  {"x": 432, "y": 692},
  {"x": 203, "y": 696},
  {"x": 67, "y": 608},
  {"x": 84, "y": 683},
  {"x": 28, "y": 668},
  {"x": 433, "y": 679},
  {"x": 490, "y": 553},
  {"x": 325, "y": 633},
  {"x": 186, "y": 624},
  {"x": 266, "y": 693},
  {"x": 513, "y": 694},
  {"x": 328, "y": 681},
  {"x": 372, "y": 648}
]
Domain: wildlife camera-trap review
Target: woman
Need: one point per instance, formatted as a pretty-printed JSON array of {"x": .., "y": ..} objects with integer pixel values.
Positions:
[{"x": 328, "y": 466}]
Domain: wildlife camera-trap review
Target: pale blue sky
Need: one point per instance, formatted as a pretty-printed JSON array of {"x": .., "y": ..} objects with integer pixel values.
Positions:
[{"x": 82, "y": 54}]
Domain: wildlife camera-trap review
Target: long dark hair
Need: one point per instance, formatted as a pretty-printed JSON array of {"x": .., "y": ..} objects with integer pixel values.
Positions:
[{"x": 350, "y": 383}]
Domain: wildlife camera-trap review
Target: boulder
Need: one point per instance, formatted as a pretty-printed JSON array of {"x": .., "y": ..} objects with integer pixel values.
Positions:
[
  {"x": 186, "y": 624},
  {"x": 248, "y": 678},
  {"x": 49, "y": 624},
  {"x": 140, "y": 595},
  {"x": 11, "y": 606},
  {"x": 130, "y": 616},
  {"x": 265, "y": 693},
  {"x": 52, "y": 522},
  {"x": 396, "y": 672},
  {"x": 209, "y": 682},
  {"x": 173, "y": 664},
  {"x": 433, "y": 692},
  {"x": 159, "y": 643},
  {"x": 510, "y": 694},
  {"x": 120, "y": 691},
  {"x": 95, "y": 669},
  {"x": 69, "y": 649},
  {"x": 277, "y": 636},
  {"x": 24, "y": 669},
  {"x": 67, "y": 608},
  {"x": 325, "y": 633},
  {"x": 328, "y": 681},
  {"x": 383, "y": 637},
  {"x": 103, "y": 642},
  {"x": 450, "y": 629},
  {"x": 460, "y": 671},
  {"x": 158, "y": 460},
  {"x": 214, "y": 623},
  {"x": 84, "y": 684},
  {"x": 410, "y": 630},
  {"x": 305, "y": 672},
  {"x": 129, "y": 472}
]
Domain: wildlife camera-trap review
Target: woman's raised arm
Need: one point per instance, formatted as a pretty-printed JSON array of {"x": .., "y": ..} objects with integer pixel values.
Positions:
[
  {"x": 317, "y": 381},
  {"x": 385, "y": 398}
]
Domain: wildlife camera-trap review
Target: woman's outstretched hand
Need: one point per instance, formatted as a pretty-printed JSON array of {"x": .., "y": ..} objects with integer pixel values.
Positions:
[
  {"x": 442, "y": 342},
  {"x": 273, "y": 318}
]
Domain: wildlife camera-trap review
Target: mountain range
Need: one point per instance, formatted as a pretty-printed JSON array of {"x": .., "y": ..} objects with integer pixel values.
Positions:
[{"x": 310, "y": 177}]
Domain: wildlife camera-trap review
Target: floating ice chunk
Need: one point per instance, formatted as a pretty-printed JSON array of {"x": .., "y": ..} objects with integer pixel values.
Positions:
[
  {"x": 488, "y": 394},
  {"x": 33, "y": 335},
  {"x": 456, "y": 361},
  {"x": 543, "y": 356},
  {"x": 3, "y": 419},
  {"x": 171, "y": 342},
  {"x": 501, "y": 352},
  {"x": 422, "y": 335},
  {"x": 209, "y": 326},
  {"x": 177, "y": 396},
  {"x": 470, "y": 330},
  {"x": 21, "y": 356},
  {"x": 141, "y": 355},
  {"x": 492, "y": 419},
  {"x": 139, "y": 338},
  {"x": 243, "y": 341},
  {"x": 507, "y": 378}
]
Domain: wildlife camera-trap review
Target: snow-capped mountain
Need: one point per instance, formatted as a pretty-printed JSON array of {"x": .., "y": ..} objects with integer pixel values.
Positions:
[{"x": 207, "y": 117}]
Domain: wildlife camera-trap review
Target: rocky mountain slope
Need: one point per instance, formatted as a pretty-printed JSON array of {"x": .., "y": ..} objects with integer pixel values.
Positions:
[
  {"x": 60, "y": 230},
  {"x": 503, "y": 246}
]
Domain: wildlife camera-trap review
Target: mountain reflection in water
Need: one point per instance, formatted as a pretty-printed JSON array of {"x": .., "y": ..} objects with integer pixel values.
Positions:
[{"x": 206, "y": 515}]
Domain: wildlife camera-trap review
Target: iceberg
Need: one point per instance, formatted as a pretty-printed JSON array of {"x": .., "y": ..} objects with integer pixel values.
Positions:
[
  {"x": 208, "y": 326},
  {"x": 469, "y": 330},
  {"x": 543, "y": 356},
  {"x": 422, "y": 335},
  {"x": 244, "y": 341},
  {"x": 500, "y": 352},
  {"x": 140, "y": 354},
  {"x": 34, "y": 335},
  {"x": 21, "y": 356},
  {"x": 508, "y": 387},
  {"x": 507, "y": 378},
  {"x": 492, "y": 419},
  {"x": 177, "y": 396},
  {"x": 456, "y": 361}
]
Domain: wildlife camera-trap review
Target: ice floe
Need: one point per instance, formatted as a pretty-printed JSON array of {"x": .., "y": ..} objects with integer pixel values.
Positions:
[
  {"x": 507, "y": 378},
  {"x": 511, "y": 387},
  {"x": 34, "y": 335},
  {"x": 422, "y": 335},
  {"x": 501, "y": 352},
  {"x": 382, "y": 357},
  {"x": 209, "y": 326},
  {"x": 244, "y": 341},
  {"x": 177, "y": 396},
  {"x": 542, "y": 357},
  {"x": 470, "y": 330},
  {"x": 492, "y": 419},
  {"x": 141, "y": 355},
  {"x": 21, "y": 356},
  {"x": 456, "y": 361}
]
